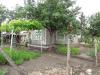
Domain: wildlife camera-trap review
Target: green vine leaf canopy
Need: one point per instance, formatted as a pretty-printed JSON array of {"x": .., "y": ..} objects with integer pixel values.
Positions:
[{"x": 21, "y": 25}]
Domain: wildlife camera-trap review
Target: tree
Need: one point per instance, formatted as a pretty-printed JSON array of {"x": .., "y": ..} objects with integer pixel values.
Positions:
[
  {"x": 26, "y": 11},
  {"x": 94, "y": 21},
  {"x": 56, "y": 14},
  {"x": 2, "y": 13},
  {"x": 83, "y": 25},
  {"x": 19, "y": 12}
]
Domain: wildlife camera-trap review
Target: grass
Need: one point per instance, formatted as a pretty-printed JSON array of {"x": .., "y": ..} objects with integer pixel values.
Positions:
[
  {"x": 18, "y": 56},
  {"x": 3, "y": 72}
]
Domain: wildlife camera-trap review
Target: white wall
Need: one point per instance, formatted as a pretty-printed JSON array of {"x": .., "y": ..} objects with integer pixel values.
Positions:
[{"x": 44, "y": 37}]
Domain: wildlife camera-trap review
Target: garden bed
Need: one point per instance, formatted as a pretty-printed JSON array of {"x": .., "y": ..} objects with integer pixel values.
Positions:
[
  {"x": 18, "y": 56},
  {"x": 48, "y": 62}
]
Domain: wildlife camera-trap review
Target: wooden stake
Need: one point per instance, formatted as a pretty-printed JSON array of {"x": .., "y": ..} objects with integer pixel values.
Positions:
[
  {"x": 11, "y": 40},
  {"x": 68, "y": 56},
  {"x": 95, "y": 42}
]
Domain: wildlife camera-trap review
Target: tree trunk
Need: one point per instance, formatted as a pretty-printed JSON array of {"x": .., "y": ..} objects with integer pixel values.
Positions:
[
  {"x": 64, "y": 39},
  {"x": 68, "y": 55},
  {"x": 51, "y": 41}
]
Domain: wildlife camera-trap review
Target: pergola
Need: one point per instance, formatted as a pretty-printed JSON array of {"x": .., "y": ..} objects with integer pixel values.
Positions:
[{"x": 14, "y": 27}]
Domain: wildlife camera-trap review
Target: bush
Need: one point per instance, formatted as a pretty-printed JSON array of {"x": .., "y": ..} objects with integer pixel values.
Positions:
[
  {"x": 74, "y": 51},
  {"x": 18, "y": 56},
  {"x": 63, "y": 50}
]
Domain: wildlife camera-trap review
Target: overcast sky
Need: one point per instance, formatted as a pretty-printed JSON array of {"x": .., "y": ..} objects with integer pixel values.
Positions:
[{"x": 89, "y": 7}]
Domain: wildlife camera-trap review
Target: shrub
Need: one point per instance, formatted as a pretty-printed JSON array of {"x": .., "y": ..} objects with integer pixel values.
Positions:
[
  {"x": 74, "y": 51},
  {"x": 63, "y": 50},
  {"x": 2, "y": 60},
  {"x": 18, "y": 56}
]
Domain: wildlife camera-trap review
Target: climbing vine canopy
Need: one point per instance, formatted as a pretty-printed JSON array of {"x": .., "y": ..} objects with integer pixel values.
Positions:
[{"x": 20, "y": 25}]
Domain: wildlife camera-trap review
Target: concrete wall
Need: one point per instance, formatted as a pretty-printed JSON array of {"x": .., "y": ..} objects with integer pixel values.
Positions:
[
  {"x": 63, "y": 39},
  {"x": 44, "y": 37},
  {"x": 38, "y": 37}
]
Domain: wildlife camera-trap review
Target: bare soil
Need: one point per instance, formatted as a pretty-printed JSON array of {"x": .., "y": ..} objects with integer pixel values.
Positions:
[{"x": 46, "y": 62}]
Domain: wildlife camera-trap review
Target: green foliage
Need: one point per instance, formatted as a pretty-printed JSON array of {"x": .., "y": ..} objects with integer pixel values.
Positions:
[
  {"x": 28, "y": 11},
  {"x": 87, "y": 40},
  {"x": 20, "y": 25},
  {"x": 3, "y": 72},
  {"x": 2, "y": 59},
  {"x": 20, "y": 12},
  {"x": 94, "y": 21},
  {"x": 74, "y": 51},
  {"x": 4, "y": 27},
  {"x": 3, "y": 13},
  {"x": 83, "y": 24},
  {"x": 63, "y": 50},
  {"x": 54, "y": 14},
  {"x": 18, "y": 56}
]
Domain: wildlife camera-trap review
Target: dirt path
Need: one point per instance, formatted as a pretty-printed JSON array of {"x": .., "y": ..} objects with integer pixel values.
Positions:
[{"x": 47, "y": 61}]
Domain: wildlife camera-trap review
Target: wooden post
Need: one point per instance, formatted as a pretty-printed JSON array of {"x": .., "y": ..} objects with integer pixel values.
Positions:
[
  {"x": 68, "y": 56},
  {"x": 70, "y": 30},
  {"x": 95, "y": 45},
  {"x": 40, "y": 37},
  {"x": 64, "y": 39},
  {"x": 1, "y": 40},
  {"x": 41, "y": 48},
  {"x": 11, "y": 44},
  {"x": 45, "y": 36}
]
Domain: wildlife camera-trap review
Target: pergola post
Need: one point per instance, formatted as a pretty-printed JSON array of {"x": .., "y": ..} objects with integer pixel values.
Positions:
[{"x": 11, "y": 44}]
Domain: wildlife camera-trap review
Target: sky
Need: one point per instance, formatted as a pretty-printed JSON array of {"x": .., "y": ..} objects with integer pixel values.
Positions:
[
  {"x": 11, "y": 3},
  {"x": 89, "y": 7}
]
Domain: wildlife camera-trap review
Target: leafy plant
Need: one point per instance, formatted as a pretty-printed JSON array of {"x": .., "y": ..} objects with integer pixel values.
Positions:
[
  {"x": 18, "y": 56},
  {"x": 62, "y": 49},
  {"x": 3, "y": 72},
  {"x": 74, "y": 51}
]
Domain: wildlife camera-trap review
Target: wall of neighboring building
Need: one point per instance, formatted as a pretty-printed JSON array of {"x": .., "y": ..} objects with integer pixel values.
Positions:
[
  {"x": 43, "y": 36},
  {"x": 62, "y": 39},
  {"x": 38, "y": 37}
]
